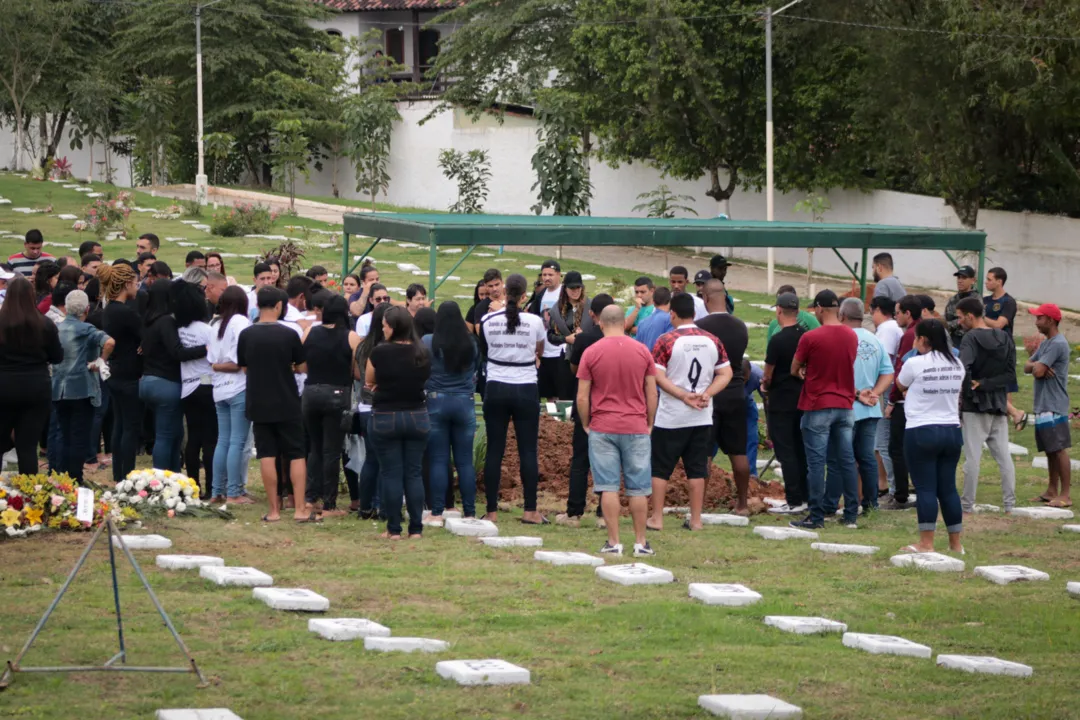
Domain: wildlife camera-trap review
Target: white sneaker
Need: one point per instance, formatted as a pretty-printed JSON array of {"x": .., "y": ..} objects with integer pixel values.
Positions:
[
  {"x": 610, "y": 549},
  {"x": 643, "y": 550},
  {"x": 800, "y": 508},
  {"x": 786, "y": 509}
]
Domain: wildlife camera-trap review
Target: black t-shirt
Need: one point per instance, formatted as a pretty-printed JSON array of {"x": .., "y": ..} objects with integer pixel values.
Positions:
[
  {"x": 479, "y": 310},
  {"x": 470, "y": 317},
  {"x": 1004, "y": 306},
  {"x": 399, "y": 381},
  {"x": 584, "y": 341},
  {"x": 268, "y": 351},
  {"x": 25, "y": 370},
  {"x": 733, "y": 336},
  {"x": 124, "y": 326},
  {"x": 785, "y": 388}
]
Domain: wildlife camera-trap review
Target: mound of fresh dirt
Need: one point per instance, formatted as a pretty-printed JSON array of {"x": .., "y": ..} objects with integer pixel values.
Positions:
[{"x": 555, "y": 451}]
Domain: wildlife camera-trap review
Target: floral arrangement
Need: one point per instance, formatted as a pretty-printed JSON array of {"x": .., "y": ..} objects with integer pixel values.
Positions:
[
  {"x": 108, "y": 212},
  {"x": 29, "y": 503},
  {"x": 61, "y": 169},
  {"x": 172, "y": 212},
  {"x": 243, "y": 219},
  {"x": 79, "y": 226},
  {"x": 161, "y": 492}
]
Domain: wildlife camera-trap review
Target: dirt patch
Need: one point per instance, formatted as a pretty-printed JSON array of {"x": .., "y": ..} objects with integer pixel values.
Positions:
[{"x": 555, "y": 453}]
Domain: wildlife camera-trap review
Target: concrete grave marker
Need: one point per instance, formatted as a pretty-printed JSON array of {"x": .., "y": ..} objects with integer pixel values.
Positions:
[
  {"x": 187, "y": 244},
  {"x": 1040, "y": 462},
  {"x": 471, "y": 527},
  {"x": 187, "y": 562},
  {"x": 844, "y": 549},
  {"x": 984, "y": 664},
  {"x": 885, "y": 645},
  {"x": 420, "y": 272},
  {"x": 1015, "y": 449},
  {"x": 71, "y": 186},
  {"x": 407, "y": 267},
  {"x": 23, "y": 211},
  {"x": 784, "y": 533},
  {"x": 587, "y": 276},
  {"x": 749, "y": 707},
  {"x": 535, "y": 267},
  {"x": 567, "y": 558},
  {"x": 771, "y": 502},
  {"x": 516, "y": 541},
  {"x": 727, "y": 595},
  {"x": 67, "y": 216},
  {"x": 484, "y": 254},
  {"x": 1071, "y": 528},
  {"x": 724, "y": 519},
  {"x": 676, "y": 510},
  {"x": 1043, "y": 513},
  {"x": 5, "y": 201},
  {"x": 1073, "y": 588},
  {"x": 95, "y": 194},
  {"x": 451, "y": 251},
  {"x": 405, "y": 644},
  {"x": 237, "y": 576},
  {"x": 143, "y": 542},
  {"x": 291, "y": 599},
  {"x": 804, "y": 625},
  {"x": 201, "y": 226},
  {"x": 1005, "y": 574},
  {"x": 929, "y": 561},
  {"x": 341, "y": 629},
  {"x": 197, "y": 714},
  {"x": 985, "y": 508},
  {"x": 635, "y": 574},
  {"x": 482, "y": 672}
]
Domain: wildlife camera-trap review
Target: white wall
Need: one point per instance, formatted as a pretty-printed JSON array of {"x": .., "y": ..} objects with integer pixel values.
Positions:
[{"x": 79, "y": 159}]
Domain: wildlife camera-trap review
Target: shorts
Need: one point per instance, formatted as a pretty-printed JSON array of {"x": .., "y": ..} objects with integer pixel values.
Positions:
[
  {"x": 1052, "y": 432},
  {"x": 691, "y": 444},
  {"x": 612, "y": 456},
  {"x": 284, "y": 438},
  {"x": 553, "y": 378},
  {"x": 729, "y": 424}
]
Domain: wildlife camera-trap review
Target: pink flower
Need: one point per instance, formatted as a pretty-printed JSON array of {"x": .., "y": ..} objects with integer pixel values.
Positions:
[
  {"x": 142, "y": 493},
  {"x": 57, "y": 500}
]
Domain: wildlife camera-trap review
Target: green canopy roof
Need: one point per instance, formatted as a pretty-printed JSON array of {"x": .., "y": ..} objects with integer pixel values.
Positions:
[{"x": 454, "y": 229}]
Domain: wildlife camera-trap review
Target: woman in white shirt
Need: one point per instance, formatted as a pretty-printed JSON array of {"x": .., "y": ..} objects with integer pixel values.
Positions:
[
  {"x": 931, "y": 385},
  {"x": 515, "y": 342},
  {"x": 196, "y": 377},
  {"x": 230, "y": 386}
]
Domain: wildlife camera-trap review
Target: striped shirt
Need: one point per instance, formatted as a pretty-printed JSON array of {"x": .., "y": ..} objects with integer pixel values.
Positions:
[{"x": 24, "y": 265}]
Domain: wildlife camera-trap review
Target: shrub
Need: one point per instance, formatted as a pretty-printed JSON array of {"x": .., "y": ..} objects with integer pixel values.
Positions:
[
  {"x": 108, "y": 212},
  {"x": 243, "y": 219}
]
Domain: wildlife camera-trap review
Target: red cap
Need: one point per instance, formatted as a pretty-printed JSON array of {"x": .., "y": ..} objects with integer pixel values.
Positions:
[{"x": 1050, "y": 310}]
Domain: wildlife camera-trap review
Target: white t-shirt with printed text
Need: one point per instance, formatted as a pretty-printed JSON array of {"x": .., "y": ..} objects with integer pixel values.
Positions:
[
  {"x": 689, "y": 357},
  {"x": 517, "y": 348},
  {"x": 194, "y": 373},
  {"x": 223, "y": 350},
  {"x": 933, "y": 395}
]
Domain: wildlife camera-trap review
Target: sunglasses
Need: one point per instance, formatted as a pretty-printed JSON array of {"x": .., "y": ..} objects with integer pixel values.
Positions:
[{"x": 380, "y": 300}]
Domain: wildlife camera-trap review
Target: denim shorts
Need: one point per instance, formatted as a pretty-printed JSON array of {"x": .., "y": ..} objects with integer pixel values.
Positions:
[{"x": 615, "y": 457}]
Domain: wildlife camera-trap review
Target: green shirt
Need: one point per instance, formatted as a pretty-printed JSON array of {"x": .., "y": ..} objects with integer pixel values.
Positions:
[
  {"x": 643, "y": 313},
  {"x": 807, "y": 321}
]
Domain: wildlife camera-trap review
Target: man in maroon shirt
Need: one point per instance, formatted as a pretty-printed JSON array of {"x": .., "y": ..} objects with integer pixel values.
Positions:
[
  {"x": 908, "y": 314},
  {"x": 825, "y": 359}
]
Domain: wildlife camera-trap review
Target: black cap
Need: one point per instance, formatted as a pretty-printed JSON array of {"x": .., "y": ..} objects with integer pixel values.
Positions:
[
  {"x": 825, "y": 299},
  {"x": 573, "y": 280},
  {"x": 965, "y": 271},
  {"x": 787, "y": 301},
  {"x": 702, "y": 276},
  {"x": 718, "y": 261},
  {"x": 553, "y": 264}
]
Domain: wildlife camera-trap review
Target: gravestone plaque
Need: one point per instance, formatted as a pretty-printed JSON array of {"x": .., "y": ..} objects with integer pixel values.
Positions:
[
  {"x": 843, "y": 549},
  {"x": 724, "y": 519},
  {"x": 985, "y": 508},
  {"x": 341, "y": 629},
  {"x": 727, "y": 595},
  {"x": 199, "y": 714},
  {"x": 291, "y": 599},
  {"x": 635, "y": 574},
  {"x": 935, "y": 562},
  {"x": 984, "y": 664},
  {"x": 1071, "y": 528},
  {"x": 471, "y": 527},
  {"x": 1005, "y": 574},
  {"x": 1043, "y": 513},
  {"x": 885, "y": 645},
  {"x": 187, "y": 562},
  {"x": 482, "y": 672},
  {"x": 558, "y": 557},
  {"x": 143, "y": 542},
  {"x": 1073, "y": 588},
  {"x": 749, "y": 707},
  {"x": 405, "y": 644},
  {"x": 804, "y": 625},
  {"x": 676, "y": 510},
  {"x": 236, "y": 576},
  {"x": 515, "y": 541},
  {"x": 770, "y": 532}
]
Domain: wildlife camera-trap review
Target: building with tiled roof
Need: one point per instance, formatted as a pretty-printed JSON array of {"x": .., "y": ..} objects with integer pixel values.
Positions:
[{"x": 405, "y": 39}]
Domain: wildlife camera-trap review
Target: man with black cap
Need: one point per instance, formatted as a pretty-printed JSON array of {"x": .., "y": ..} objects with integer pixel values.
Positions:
[
  {"x": 551, "y": 363},
  {"x": 718, "y": 268},
  {"x": 700, "y": 278},
  {"x": 782, "y": 401},
  {"x": 825, "y": 359},
  {"x": 965, "y": 287}
]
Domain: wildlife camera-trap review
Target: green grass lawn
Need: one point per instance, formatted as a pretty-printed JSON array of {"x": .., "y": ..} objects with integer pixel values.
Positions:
[{"x": 595, "y": 650}]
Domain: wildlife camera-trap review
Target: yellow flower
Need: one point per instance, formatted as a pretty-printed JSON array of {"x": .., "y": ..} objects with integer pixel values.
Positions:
[
  {"x": 33, "y": 516},
  {"x": 3, "y": 493},
  {"x": 10, "y": 517}
]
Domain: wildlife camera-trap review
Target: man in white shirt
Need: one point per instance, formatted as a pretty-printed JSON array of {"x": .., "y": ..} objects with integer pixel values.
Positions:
[
  {"x": 691, "y": 369},
  {"x": 889, "y": 332},
  {"x": 263, "y": 276},
  {"x": 554, "y": 377},
  {"x": 678, "y": 276}
]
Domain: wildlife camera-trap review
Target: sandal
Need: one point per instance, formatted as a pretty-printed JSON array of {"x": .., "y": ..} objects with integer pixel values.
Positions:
[
  {"x": 686, "y": 525},
  {"x": 267, "y": 519},
  {"x": 1059, "y": 503},
  {"x": 1022, "y": 423},
  {"x": 1042, "y": 499},
  {"x": 912, "y": 550},
  {"x": 312, "y": 518},
  {"x": 543, "y": 521}
]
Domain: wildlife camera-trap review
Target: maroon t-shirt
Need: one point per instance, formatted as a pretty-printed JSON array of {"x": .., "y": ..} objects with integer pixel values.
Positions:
[
  {"x": 617, "y": 367},
  {"x": 828, "y": 352},
  {"x": 907, "y": 342}
]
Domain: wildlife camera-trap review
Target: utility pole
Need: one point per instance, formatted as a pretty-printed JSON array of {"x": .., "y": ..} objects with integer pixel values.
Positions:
[{"x": 200, "y": 176}]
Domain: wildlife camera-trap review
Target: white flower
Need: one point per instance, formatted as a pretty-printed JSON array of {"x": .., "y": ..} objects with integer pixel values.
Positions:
[
  {"x": 170, "y": 502},
  {"x": 180, "y": 507},
  {"x": 140, "y": 484},
  {"x": 34, "y": 528},
  {"x": 188, "y": 490},
  {"x": 3, "y": 505}
]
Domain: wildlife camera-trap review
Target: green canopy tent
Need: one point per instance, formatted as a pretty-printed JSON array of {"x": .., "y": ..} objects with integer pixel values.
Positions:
[{"x": 473, "y": 231}]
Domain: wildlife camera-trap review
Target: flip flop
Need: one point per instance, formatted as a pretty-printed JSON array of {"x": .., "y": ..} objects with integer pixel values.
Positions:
[
  {"x": 1057, "y": 503},
  {"x": 911, "y": 550},
  {"x": 312, "y": 519},
  {"x": 266, "y": 519},
  {"x": 1042, "y": 499},
  {"x": 1022, "y": 424},
  {"x": 650, "y": 527},
  {"x": 543, "y": 521}
]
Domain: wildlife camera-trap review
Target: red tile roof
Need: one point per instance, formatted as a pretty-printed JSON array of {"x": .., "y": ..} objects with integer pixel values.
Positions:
[{"x": 373, "y": 5}]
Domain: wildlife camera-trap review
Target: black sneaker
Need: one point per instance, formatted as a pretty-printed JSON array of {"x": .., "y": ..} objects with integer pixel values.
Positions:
[
  {"x": 806, "y": 524},
  {"x": 610, "y": 549},
  {"x": 643, "y": 550}
]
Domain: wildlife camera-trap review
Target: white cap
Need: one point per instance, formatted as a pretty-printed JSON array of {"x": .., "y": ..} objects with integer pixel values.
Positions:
[{"x": 6, "y": 274}]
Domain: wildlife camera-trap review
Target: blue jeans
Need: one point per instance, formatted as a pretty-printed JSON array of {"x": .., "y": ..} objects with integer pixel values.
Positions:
[
  {"x": 55, "y": 453},
  {"x": 400, "y": 437},
  {"x": 628, "y": 456},
  {"x": 503, "y": 403},
  {"x": 827, "y": 438},
  {"x": 127, "y": 418},
  {"x": 864, "y": 439},
  {"x": 74, "y": 418},
  {"x": 229, "y": 456},
  {"x": 884, "y": 430},
  {"x": 932, "y": 453},
  {"x": 453, "y": 426},
  {"x": 752, "y": 434},
  {"x": 369, "y": 473},
  {"x": 163, "y": 398}
]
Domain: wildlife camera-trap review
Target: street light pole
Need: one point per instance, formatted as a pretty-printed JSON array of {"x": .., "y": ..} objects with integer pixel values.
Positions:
[
  {"x": 200, "y": 176},
  {"x": 770, "y": 204}
]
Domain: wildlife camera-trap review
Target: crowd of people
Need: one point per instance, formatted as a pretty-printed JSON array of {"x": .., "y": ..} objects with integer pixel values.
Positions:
[{"x": 104, "y": 358}]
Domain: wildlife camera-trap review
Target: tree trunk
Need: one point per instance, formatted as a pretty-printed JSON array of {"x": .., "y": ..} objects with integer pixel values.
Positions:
[
  {"x": 809, "y": 269},
  {"x": 966, "y": 207},
  {"x": 716, "y": 191},
  {"x": 90, "y": 172},
  {"x": 16, "y": 160},
  {"x": 333, "y": 182},
  {"x": 59, "y": 121}
]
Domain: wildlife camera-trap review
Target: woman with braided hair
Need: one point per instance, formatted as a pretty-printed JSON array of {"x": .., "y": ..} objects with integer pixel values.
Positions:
[{"x": 119, "y": 285}]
